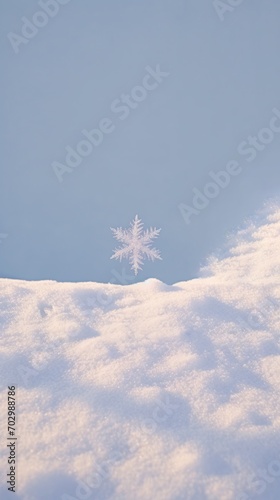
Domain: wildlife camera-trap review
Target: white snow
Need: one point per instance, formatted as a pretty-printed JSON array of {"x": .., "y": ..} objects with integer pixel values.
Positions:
[{"x": 149, "y": 391}]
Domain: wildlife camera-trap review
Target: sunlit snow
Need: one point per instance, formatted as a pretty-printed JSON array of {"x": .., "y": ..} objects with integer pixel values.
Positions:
[{"x": 149, "y": 391}]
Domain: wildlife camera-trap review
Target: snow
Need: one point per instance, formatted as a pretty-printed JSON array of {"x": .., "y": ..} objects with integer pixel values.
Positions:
[{"x": 149, "y": 391}]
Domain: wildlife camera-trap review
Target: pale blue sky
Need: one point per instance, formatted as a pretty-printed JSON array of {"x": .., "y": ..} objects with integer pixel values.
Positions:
[{"x": 224, "y": 82}]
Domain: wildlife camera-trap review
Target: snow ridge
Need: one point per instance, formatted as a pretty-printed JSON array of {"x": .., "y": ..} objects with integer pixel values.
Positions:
[{"x": 149, "y": 391}]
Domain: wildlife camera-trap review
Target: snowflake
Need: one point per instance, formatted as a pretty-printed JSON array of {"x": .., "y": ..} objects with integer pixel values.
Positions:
[{"x": 136, "y": 244}]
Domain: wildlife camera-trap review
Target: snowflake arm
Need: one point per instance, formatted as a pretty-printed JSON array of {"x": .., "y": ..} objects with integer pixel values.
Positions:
[
  {"x": 121, "y": 234},
  {"x": 136, "y": 262},
  {"x": 152, "y": 253},
  {"x": 121, "y": 253},
  {"x": 149, "y": 235}
]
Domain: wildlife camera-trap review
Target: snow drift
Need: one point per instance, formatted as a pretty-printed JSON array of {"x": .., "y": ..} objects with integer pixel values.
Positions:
[{"x": 148, "y": 391}]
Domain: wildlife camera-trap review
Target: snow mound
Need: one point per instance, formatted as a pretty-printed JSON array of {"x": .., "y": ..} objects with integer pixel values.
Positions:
[{"x": 148, "y": 391}]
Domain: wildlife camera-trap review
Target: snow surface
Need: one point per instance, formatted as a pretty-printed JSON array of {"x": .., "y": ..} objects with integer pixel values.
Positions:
[{"x": 149, "y": 391}]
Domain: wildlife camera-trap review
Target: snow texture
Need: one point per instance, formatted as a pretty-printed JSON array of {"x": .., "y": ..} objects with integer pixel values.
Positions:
[
  {"x": 149, "y": 391},
  {"x": 136, "y": 244}
]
